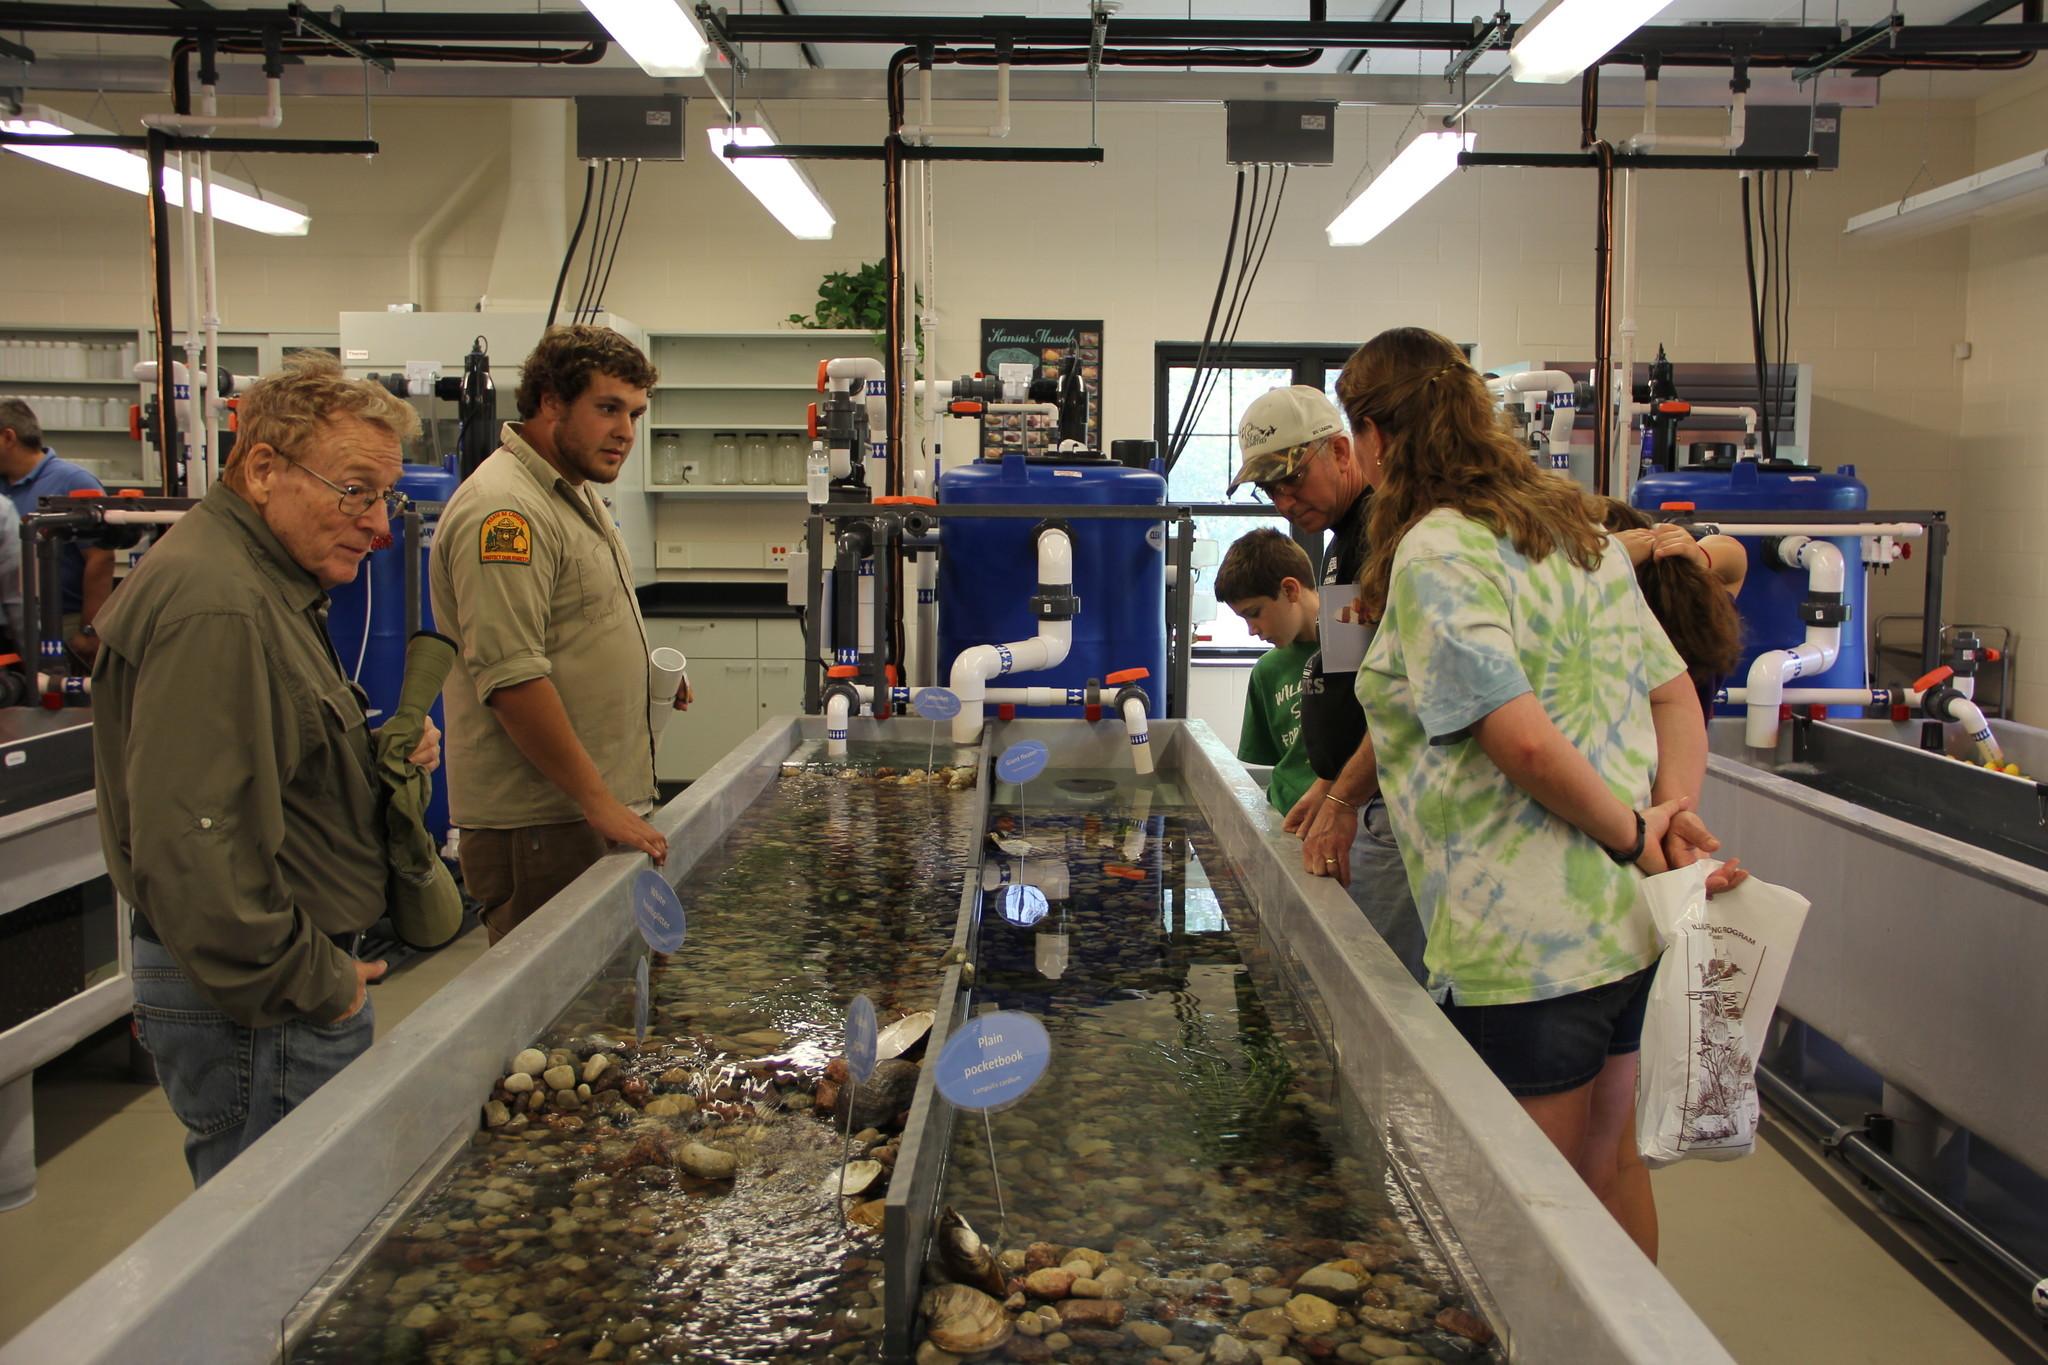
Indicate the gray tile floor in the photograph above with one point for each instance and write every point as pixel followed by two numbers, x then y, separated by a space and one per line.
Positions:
pixel 1774 1252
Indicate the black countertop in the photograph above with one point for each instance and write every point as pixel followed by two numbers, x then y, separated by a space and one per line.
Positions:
pixel 716 599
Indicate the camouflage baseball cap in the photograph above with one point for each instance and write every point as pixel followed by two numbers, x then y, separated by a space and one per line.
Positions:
pixel 1280 429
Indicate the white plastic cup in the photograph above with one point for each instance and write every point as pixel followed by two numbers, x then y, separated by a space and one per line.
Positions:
pixel 664 679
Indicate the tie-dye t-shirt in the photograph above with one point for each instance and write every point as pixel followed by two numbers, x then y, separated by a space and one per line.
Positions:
pixel 1518 903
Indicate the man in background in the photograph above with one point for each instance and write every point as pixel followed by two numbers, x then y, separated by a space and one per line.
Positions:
pixel 85 571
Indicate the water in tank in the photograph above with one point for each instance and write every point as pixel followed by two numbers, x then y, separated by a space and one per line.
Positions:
pixel 1770 598
pixel 988 569
pixel 366 619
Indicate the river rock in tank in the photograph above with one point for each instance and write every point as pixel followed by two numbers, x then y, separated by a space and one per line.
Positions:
pixel 707 1163
pixel 530 1062
pixel 881 1097
pixel 1091 1313
pixel 1231 1351
pixel 1311 1315
pixel 1327 1282
pixel 1049 1283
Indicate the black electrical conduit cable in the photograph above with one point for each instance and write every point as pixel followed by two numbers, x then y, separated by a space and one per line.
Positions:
pixel 1177 438
pixel 618 235
pixel 605 200
pixel 562 276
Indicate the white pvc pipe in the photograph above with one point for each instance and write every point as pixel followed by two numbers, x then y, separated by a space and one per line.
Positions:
pixel 926 128
pixel 1047 874
pixel 194 420
pixel 1623 414
pixel 1048 649
pixel 1773 670
pixel 1141 741
pixel 1141 809
pixel 209 277
pixel 1531 381
pixel 1051 410
pixel 1831 696
pixel 123 517
pixel 1650 139
pixel 1971 716
pixel 836 708
pixel 271 117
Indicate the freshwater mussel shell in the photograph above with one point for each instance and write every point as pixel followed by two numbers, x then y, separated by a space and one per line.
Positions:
pixel 966 1257
pixel 963 1321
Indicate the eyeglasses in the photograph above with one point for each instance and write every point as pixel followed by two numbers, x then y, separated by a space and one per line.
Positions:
pixel 1265 490
pixel 357 500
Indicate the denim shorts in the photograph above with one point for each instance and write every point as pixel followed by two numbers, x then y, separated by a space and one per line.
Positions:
pixel 1546 1047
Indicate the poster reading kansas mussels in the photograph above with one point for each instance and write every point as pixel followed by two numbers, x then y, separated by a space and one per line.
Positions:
pixel 1032 348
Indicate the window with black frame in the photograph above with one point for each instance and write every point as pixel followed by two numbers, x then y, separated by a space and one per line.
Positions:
pixel 1230 377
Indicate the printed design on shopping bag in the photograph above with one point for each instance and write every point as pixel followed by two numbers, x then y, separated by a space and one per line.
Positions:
pixel 1721 1075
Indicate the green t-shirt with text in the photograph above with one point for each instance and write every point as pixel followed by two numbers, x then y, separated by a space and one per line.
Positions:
pixel 1272 723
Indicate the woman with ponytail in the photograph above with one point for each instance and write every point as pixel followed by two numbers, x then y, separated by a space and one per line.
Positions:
pixel 1539 743
pixel 1690 586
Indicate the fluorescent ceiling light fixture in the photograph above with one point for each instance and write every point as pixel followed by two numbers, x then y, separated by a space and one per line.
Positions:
pixel 1950 205
pixel 1565 37
pixel 658 34
pixel 777 182
pixel 1421 167
pixel 233 201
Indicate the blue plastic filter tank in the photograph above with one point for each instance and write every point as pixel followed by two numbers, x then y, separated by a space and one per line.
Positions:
pixel 1770 597
pixel 366 619
pixel 988 570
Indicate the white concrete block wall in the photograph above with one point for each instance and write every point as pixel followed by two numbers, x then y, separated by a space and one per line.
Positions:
pixel 1501 257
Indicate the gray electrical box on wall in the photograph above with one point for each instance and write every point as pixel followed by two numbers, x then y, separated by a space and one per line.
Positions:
pixel 1780 130
pixel 629 127
pixel 1280 132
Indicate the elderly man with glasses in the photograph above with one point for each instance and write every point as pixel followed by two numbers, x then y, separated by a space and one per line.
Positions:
pixel 1297 453
pixel 240 812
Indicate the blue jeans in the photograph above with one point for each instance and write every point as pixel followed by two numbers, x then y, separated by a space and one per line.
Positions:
pixel 1379 886
pixel 229 1085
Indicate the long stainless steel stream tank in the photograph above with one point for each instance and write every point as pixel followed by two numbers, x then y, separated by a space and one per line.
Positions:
pixel 215 1279
pixel 1929 880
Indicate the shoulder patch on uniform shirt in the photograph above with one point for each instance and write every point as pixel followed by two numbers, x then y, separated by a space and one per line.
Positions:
pixel 506 539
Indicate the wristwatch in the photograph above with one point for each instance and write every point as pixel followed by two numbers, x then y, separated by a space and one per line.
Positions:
pixel 1633 855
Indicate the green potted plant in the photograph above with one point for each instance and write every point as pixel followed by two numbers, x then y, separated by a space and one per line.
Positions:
pixel 851 300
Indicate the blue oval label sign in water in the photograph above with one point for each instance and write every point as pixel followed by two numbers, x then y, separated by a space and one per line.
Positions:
pixel 657 911
pixel 993 1060
pixel 640 1000
pixel 936 703
pixel 860 1039
pixel 1022 761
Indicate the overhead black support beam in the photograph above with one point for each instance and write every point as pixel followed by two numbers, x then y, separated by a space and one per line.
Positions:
pixel 141 143
pixel 1986 12
pixel 821 151
pixel 1887 28
pixel 1638 161
pixel 16 52
pixel 306 21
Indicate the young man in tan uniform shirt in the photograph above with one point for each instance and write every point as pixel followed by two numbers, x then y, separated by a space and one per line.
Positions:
pixel 550 753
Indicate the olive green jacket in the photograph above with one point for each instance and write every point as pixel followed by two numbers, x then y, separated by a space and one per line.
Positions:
pixel 240 810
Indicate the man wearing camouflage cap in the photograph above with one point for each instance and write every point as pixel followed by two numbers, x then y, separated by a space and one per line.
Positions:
pixel 1297 452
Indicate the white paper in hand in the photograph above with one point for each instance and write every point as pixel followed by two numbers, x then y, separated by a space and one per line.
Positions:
pixel 1343 642
pixel 1710 1006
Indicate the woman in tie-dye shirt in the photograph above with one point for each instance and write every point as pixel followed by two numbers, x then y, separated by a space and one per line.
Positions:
pixel 1539 744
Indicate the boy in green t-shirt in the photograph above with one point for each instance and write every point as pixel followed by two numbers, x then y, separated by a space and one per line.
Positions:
pixel 1265 579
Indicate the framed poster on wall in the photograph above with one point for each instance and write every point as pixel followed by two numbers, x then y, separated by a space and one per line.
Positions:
pixel 1024 349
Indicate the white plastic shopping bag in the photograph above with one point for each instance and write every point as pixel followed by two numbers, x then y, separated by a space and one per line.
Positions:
pixel 1710 1005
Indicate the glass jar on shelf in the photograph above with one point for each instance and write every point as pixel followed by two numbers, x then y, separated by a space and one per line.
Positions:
pixel 754 459
pixel 725 458
pixel 668 459
pixel 791 450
